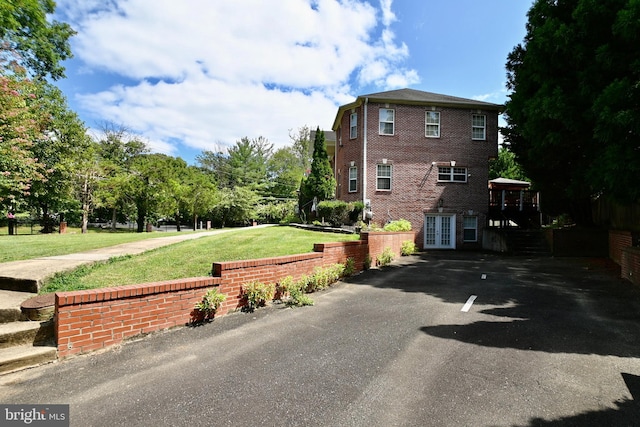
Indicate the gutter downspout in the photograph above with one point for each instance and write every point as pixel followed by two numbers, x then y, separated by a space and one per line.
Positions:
pixel 364 162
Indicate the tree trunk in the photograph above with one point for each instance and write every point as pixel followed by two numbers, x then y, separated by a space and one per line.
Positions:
pixel 195 222
pixel 85 204
pixel 113 219
pixel 178 221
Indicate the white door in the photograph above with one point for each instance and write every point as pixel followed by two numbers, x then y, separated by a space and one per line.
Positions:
pixel 439 231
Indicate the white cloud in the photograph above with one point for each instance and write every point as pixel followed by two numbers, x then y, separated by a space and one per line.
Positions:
pixel 210 72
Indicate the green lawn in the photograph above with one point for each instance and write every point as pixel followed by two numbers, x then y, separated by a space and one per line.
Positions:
pixel 20 247
pixel 193 258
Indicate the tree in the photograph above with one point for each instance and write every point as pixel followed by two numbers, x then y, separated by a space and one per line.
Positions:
pixel 33 41
pixel 284 171
pixel 320 184
pixel 118 147
pixel 506 166
pixel 573 120
pixel 244 164
pixel 19 128
pixel 62 141
pixel 235 206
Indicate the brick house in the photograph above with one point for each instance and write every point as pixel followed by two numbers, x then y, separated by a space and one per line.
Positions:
pixel 419 156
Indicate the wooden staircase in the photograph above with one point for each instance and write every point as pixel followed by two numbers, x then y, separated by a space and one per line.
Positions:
pixel 23 343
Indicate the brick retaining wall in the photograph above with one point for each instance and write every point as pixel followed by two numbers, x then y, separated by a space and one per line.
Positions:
pixel 618 240
pixel 625 254
pixel 98 318
pixel 630 265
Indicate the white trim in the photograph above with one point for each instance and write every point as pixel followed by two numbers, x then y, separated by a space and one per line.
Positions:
pixel 355 179
pixel 426 124
pixel 483 127
pixel 389 177
pixel 393 122
pixel 434 238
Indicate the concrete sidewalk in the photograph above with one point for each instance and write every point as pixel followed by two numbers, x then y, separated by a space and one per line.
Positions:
pixel 28 275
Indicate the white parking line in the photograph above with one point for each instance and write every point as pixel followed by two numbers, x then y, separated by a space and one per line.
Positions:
pixel 469 303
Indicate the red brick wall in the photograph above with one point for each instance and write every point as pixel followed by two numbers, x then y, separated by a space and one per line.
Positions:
pixel 415 187
pixel 618 240
pixel 630 265
pixel 98 318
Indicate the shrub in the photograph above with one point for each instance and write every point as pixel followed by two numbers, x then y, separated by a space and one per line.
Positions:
pixel 323 277
pixel 257 294
pixel 296 291
pixel 398 225
pixel 210 303
pixel 355 211
pixel 385 257
pixel 367 262
pixel 349 267
pixel 408 248
pixel 335 212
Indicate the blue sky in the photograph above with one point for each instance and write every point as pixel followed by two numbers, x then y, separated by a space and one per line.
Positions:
pixel 199 75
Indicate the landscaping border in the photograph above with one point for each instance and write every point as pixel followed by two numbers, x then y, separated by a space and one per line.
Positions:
pixel 94 319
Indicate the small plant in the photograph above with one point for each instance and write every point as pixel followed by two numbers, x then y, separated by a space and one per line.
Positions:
pixel 257 294
pixel 367 262
pixel 297 295
pixel 349 267
pixel 385 257
pixel 398 225
pixel 323 277
pixel 407 248
pixel 210 303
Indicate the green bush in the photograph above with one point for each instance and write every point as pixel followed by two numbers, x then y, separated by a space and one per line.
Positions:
pixel 349 267
pixel 367 262
pixel 296 291
pixel 210 303
pixel 398 225
pixel 355 211
pixel 257 294
pixel 408 248
pixel 385 258
pixel 335 212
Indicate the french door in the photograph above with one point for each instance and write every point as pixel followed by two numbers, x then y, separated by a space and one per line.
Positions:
pixel 439 231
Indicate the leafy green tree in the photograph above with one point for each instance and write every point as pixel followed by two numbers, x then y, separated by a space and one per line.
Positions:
pixel 198 195
pixel 31 39
pixel 117 148
pixel 506 166
pixel 285 170
pixel 320 184
pixel 151 188
pixel 19 128
pixel 62 142
pixel 573 120
pixel 235 206
pixel 243 165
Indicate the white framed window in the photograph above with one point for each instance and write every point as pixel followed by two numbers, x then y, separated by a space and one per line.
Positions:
pixel 470 228
pixel 452 174
pixel 353 179
pixel 387 121
pixel 383 177
pixel 479 127
pixel 432 124
pixel 353 126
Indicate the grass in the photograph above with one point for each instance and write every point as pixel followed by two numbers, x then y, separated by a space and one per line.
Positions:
pixel 192 258
pixel 21 247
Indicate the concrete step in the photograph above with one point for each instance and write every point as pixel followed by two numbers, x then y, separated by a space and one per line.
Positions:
pixel 20 333
pixel 25 356
pixel 10 302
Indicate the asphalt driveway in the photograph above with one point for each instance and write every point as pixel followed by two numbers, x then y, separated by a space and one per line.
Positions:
pixel 545 342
